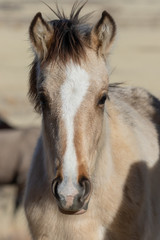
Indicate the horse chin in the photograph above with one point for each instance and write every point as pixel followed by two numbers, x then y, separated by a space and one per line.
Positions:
pixel 78 212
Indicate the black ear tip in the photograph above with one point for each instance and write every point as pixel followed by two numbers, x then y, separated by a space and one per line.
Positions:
pixel 104 13
pixel 38 15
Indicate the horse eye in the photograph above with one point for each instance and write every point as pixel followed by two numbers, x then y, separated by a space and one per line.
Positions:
pixel 102 100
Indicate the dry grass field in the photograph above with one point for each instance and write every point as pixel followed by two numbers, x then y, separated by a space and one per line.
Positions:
pixel 135 60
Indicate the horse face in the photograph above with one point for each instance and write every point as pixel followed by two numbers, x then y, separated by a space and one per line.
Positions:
pixel 73 108
pixel 71 94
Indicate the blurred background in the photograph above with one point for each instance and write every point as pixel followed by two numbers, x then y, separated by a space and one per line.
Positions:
pixel 135 60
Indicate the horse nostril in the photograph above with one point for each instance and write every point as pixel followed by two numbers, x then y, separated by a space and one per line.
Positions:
pixel 86 188
pixel 71 196
pixel 55 184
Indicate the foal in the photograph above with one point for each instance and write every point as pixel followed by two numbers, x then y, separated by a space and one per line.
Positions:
pixel 95 169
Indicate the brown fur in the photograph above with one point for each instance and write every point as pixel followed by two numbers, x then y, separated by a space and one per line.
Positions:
pixel 117 147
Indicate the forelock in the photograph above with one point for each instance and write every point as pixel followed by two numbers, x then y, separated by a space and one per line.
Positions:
pixel 71 36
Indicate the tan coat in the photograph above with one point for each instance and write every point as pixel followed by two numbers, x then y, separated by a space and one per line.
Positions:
pixel 125 202
pixel 110 134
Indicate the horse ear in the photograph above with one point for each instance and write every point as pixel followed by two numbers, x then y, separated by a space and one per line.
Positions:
pixel 41 34
pixel 103 34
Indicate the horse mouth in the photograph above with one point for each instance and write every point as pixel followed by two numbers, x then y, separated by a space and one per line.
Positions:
pixel 67 212
pixel 71 212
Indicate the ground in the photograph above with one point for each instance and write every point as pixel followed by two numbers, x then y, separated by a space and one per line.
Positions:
pixel 134 60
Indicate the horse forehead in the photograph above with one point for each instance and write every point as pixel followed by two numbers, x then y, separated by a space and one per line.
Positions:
pixel 74 88
pixel 69 83
pixel 76 76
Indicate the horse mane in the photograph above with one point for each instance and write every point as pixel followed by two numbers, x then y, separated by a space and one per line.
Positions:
pixel 71 37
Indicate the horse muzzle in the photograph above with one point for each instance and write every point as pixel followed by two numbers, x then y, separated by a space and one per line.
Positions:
pixel 71 197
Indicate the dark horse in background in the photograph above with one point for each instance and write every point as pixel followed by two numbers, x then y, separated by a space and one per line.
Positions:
pixel 4 124
pixel 16 150
pixel 95 173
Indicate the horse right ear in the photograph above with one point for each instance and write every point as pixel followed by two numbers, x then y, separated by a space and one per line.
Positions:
pixel 41 34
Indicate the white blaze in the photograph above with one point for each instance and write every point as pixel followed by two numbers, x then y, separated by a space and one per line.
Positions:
pixel 72 93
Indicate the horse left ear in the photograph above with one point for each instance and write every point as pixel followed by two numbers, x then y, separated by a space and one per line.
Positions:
pixel 103 34
pixel 41 34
